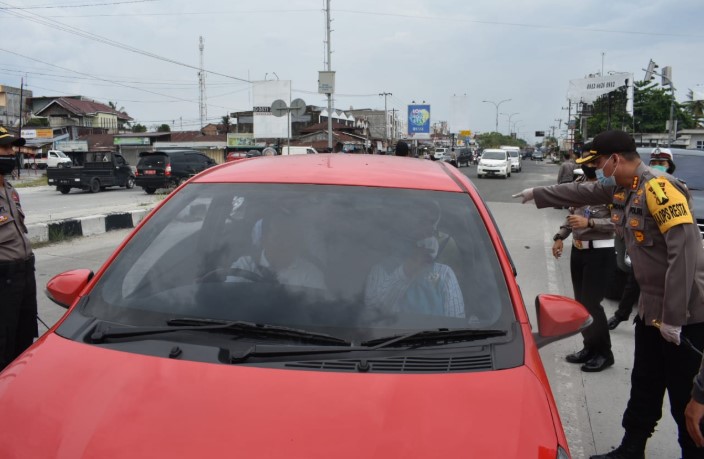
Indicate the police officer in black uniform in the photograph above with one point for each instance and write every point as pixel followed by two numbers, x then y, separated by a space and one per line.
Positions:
pixel 18 288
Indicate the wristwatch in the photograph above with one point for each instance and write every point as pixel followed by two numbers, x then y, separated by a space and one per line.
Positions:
pixel 557 236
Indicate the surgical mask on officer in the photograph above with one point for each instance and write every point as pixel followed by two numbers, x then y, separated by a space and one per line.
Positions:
pixel 7 164
pixel 659 167
pixel 589 171
pixel 604 180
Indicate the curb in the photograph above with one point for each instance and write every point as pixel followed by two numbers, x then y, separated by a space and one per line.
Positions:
pixel 84 226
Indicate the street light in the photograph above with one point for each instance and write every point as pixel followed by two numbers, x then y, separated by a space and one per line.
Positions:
pixel 509 120
pixel 515 123
pixel 496 129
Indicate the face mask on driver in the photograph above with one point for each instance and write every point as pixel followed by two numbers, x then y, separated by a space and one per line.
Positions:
pixel 660 167
pixel 431 244
pixel 7 164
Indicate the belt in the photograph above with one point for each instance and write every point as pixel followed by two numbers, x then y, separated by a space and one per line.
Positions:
pixel 9 267
pixel 597 244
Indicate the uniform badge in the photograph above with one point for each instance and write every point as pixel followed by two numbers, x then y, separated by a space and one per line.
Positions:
pixel 4 218
pixel 620 196
pixel 15 197
pixel 635 182
pixel 637 201
pixel 639 236
pixel 639 192
pixel 634 222
pixel 577 243
pixel 616 218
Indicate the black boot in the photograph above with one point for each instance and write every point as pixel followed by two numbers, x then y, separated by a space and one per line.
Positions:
pixel 614 321
pixel 630 448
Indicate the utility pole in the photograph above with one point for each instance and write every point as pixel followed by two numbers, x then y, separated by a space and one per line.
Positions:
pixel 328 21
pixel 386 119
pixel 18 153
pixel 393 125
pixel 201 85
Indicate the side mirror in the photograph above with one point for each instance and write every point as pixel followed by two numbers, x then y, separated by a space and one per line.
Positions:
pixel 63 289
pixel 559 317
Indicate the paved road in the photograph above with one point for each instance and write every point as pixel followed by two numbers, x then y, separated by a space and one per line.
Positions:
pixel 590 404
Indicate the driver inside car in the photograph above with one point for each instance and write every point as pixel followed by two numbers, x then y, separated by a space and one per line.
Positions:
pixel 280 258
pixel 412 280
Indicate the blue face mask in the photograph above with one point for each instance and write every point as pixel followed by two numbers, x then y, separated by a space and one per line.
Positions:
pixel 606 181
pixel 660 168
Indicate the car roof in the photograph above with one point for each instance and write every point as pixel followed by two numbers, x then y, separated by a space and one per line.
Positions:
pixel 675 151
pixel 495 149
pixel 336 169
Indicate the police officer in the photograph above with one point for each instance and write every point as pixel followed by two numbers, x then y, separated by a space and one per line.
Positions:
pixel 591 267
pixel 653 211
pixel 18 289
pixel 662 160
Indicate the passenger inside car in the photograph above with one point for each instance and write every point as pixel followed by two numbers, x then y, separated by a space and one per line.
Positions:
pixel 411 280
pixel 281 257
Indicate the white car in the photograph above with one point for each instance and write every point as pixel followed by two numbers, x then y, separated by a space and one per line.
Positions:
pixel 514 155
pixel 494 162
pixel 51 158
pixel 440 153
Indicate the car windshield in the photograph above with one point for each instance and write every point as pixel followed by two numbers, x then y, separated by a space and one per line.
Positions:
pixel 513 154
pixel 61 154
pixel 690 169
pixel 354 262
pixel 494 155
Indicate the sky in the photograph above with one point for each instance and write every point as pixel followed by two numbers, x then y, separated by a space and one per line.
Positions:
pixel 144 54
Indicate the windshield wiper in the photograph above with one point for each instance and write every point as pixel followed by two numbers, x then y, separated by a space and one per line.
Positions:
pixel 435 336
pixel 104 331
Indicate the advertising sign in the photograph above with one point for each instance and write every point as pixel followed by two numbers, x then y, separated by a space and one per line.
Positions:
pixel 326 82
pixel 587 90
pixel 38 133
pixel 72 145
pixel 264 93
pixel 131 141
pixel 459 113
pixel 240 140
pixel 540 133
pixel 419 120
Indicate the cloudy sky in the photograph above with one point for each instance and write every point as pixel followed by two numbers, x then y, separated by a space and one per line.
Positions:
pixel 144 54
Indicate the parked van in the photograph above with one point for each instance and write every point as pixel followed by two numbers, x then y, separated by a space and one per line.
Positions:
pixel 514 154
pixel 51 158
pixel 298 150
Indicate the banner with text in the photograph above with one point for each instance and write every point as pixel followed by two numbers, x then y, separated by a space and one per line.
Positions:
pixel 588 90
pixel 419 121
pixel 264 93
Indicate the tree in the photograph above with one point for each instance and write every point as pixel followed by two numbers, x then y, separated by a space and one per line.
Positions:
pixel 163 128
pixel 609 112
pixel 495 139
pixel 37 122
pixel 139 128
pixel 113 105
pixel 226 123
pixel 695 108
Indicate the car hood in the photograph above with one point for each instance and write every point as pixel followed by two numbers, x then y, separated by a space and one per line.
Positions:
pixel 494 162
pixel 69 400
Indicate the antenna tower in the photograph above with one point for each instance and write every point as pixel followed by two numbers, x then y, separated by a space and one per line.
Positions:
pixel 201 86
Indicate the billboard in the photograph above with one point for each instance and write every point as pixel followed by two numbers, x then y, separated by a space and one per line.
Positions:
pixel 587 90
pixel 72 145
pixel 459 114
pixel 46 133
pixel 419 121
pixel 264 93
pixel 240 140
pixel 131 141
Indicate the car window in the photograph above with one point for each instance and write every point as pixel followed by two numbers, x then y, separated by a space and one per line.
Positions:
pixel 179 263
pixel 494 155
pixel 513 154
pixel 153 161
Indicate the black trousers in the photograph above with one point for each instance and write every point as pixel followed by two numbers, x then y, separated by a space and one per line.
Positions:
pixel 18 309
pixel 591 270
pixel 631 292
pixel 659 366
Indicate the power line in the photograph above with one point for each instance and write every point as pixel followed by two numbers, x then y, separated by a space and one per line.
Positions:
pixel 38 7
pixel 188 13
pixel 33 17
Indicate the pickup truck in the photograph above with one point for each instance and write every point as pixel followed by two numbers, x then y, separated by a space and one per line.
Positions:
pixel 99 171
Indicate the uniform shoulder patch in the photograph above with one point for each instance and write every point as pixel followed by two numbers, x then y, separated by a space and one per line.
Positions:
pixel 667 204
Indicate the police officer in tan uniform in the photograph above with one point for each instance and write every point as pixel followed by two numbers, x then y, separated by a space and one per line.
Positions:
pixel 653 211
pixel 18 289
pixel 592 264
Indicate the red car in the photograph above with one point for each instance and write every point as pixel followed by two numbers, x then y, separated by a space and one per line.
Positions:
pixel 308 306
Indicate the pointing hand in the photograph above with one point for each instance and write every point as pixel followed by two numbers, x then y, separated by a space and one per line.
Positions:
pixel 525 195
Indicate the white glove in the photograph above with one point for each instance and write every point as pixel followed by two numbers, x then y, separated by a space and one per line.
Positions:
pixel 525 195
pixel 670 333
